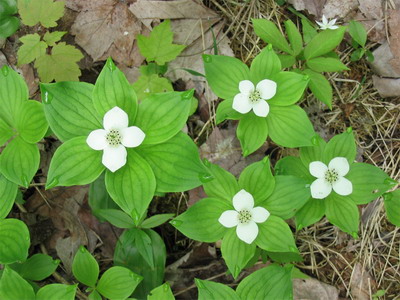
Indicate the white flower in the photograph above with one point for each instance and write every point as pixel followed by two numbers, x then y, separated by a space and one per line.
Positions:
pixel 327 25
pixel 251 98
pixel 330 177
pixel 244 217
pixel 113 139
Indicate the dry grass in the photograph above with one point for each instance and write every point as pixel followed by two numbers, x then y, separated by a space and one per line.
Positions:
pixel 330 255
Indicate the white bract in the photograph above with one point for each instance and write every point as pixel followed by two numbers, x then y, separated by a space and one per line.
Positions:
pixel 254 98
pixel 244 217
pixel 330 177
pixel 113 139
pixel 325 24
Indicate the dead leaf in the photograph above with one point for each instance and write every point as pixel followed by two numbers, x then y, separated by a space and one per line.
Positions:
pixel 371 9
pixel 382 63
pixel 106 28
pixel 361 283
pixel 312 289
pixel 387 87
pixel 329 8
pixel 394 39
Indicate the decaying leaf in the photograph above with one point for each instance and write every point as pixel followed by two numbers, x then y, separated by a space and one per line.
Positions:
pixel 387 87
pixel 361 284
pixel 329 8
pixel 312 289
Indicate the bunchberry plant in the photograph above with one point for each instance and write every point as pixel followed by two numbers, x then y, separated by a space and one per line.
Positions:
pixel 9 23
pixel 54 60
pixel 338 184
pixel 141 148
pixel 310 53
pixel 246 214
pixel 262 98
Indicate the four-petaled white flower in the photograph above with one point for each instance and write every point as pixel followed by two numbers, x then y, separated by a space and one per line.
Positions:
pixel 330 177
pixel 113 139
pixel 244 217
pixel 251 98
pixel 325 24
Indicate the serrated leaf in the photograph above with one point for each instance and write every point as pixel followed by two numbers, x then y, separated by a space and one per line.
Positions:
pixel 13 286
pixel 8 192
pixel 209 290
pixel 150 84
pixel 60 65
pixel 158 45
pixel 32 48
pixel 19 161
pixel 56 291
pixel 118 283
pixel 51 38
pixel 74 163
pixel 85 267
pixel 14 241
pixel 45 12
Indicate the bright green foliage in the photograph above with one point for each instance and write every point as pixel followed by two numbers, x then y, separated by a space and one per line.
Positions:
pixel 85 267
pixel 116 217
pixel 45 12
pixel 209 290
pixel 147 85
pixel 60 65
pixel 8 192
pixel 320 87
pixel 156 220
pixel 358 33
pixel 158 46
pixel 32 47
pixel 8 22
pixel 56 292
pixel 13 286
pixel 326 64
pixel 163 292
pixel 269 33
pixel 14 241
pixel 51 38
pixel 37 267
pixel 392 206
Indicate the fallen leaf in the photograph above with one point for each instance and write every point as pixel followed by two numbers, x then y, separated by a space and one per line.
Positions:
pixel 329 8
pixel 361 283
pixel 312 289
pixel 382 63
pixel 387 87
pixel 394 39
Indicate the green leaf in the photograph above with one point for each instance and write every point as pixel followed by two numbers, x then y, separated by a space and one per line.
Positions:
pixel 294 36
pixel 357 54
pixel 264 65
pixel 32 124
pixel 358 32
pixel 14 241
pixel 51 38
pixel 126 254
pixel 150 84
pixel 224 73
pixel 45 12
pixel 6 132
pixel 392 207
pixel 343 213
pixel 369 182
pixel 37 267
pixel 320 87
pixel 287 61
pixel 313 153
pixel 275 235
pixel 176 163
pixel 309 31
pixel 69 109
pixel 162 116
pixel 290 165
pixel 289 126
pixel 153 68
pixel 163 292
pixel 310 213
pixel 95 296
pixel 235 252
pixel 60 65
pixel 209 290
pixel 116 217
pixel 19 161
pixel 143 244
pixel 156 220
pixel 113 89
pixel 74 163
pixel 158 45
pixel 289 195
pixel 200 221
pixel 13 96
pixel 99 199
pixel 223 185
pixel 341 145
pixel 118 283
pixel 225 111
pixel 8 192
pixel 326 64
pixel 85 267
pixel 290 88
pixel 32 48
pixel 271 282
pixel 252 133
pixel 8 23
pixel 269 33
pixel 56 291
pixel 257 179
pixel 13 286
pixel 132 187
pixel 324 42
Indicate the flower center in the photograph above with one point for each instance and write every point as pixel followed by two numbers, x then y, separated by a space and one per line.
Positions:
pixel 114 137
pixel 331 175
pixel 244 216
pixel 255 96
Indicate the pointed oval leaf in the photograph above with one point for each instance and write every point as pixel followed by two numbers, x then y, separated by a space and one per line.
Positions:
pixel 252 133
pixel 56 291
pixel 269 33
pixel 38 267
pixel 320 87
pixel 310 213
pixel 163 292
pixel 14 241
pixel 392 207
pixel 265 65
pixel 13 286
pixel 209 290
pixel 341 145
pixel 294 36
pixel 85 267
pixel 324 42
pixel 290 88
pixel 8 192
pixel 342 212
pixel 32 124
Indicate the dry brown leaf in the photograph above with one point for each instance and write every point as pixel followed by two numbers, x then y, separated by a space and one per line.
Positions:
pixel 329 8
pixel 394 39
pixel 382 63
pixel 107 28
pixel 361 283
pixel 312 289
pixel 387 87
pixel 371 9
